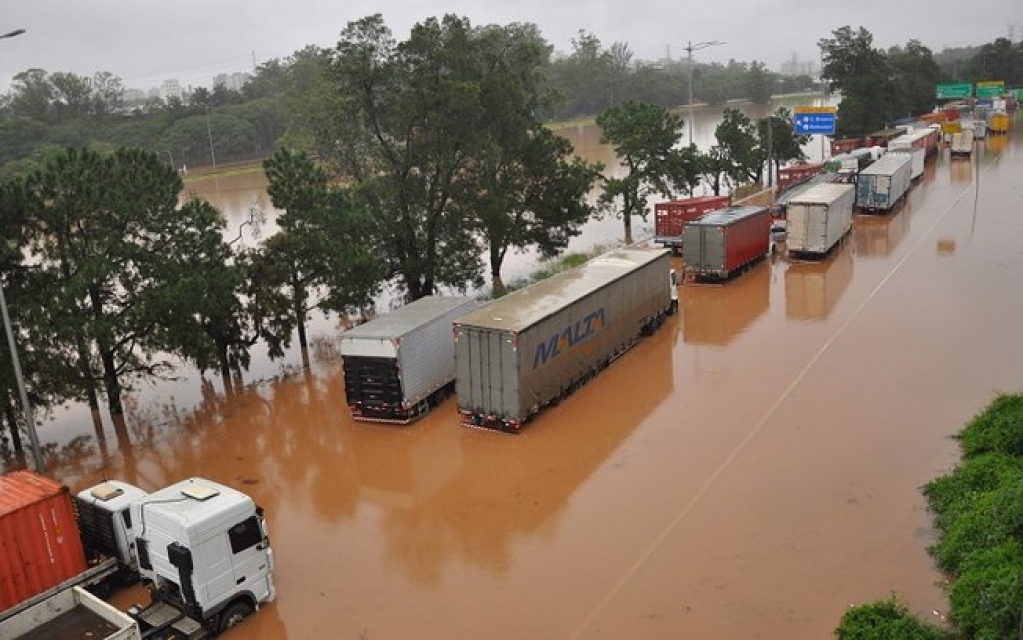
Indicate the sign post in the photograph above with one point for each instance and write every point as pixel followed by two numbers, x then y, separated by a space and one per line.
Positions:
pixel 956 91
pixel 991 89
pixel 814 120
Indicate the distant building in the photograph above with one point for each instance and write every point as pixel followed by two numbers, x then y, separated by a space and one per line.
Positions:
pixel 171 88
pixel 231 81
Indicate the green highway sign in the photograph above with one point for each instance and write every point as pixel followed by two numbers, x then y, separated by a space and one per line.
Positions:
pixel 953 91
pixel 991 89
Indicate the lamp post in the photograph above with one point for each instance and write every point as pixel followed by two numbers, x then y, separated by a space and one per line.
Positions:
pixel 37 454
pixel 690 48
pixel 209 133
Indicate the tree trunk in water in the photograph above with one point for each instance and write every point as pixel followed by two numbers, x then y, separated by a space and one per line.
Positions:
pixel 111 383
pixel 87 378
pixel 628 228
pixel 303 344
pixel 498 286
pixel 12 425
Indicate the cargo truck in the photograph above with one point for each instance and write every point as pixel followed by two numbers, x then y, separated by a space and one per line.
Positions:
pixel 818 218
pixel 998 122
pixel 70 614
pixel 400 363
pixel 200 547
pixel 884 184
pixel 917 160
pixel 535 346
pixel 962 143
pixel 723 243
pixel 670 218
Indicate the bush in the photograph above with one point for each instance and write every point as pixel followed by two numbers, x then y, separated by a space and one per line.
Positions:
pixel 997 429
pixel 886 620
pixel 987 596
pixel 950 495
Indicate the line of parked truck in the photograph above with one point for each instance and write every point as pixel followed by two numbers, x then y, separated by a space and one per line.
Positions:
pixel 201 548
pixel 507 359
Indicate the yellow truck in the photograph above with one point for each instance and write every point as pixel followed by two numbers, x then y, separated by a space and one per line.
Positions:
pixel 999 122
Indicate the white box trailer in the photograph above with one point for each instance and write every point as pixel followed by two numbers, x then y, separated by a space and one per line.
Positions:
pixel 883 184
pixel 818 218
pixel 399 363
pixel 70 614
pixel 534 346
pixel 917 156
pixel 962 143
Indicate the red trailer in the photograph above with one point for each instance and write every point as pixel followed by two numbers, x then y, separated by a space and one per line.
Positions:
pixel 670 218
pixel 845 145
pixel 724 242
pixel 796 173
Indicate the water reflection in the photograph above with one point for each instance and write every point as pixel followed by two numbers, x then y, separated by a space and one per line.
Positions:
pixel 717 314
pixel 961 170
pixel 878 236
pixel 485 490
pixel 812 289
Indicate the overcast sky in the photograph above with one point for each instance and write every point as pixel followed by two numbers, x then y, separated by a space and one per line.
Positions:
pixel 145 42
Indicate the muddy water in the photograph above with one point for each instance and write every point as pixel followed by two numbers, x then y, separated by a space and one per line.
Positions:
pixel 749 471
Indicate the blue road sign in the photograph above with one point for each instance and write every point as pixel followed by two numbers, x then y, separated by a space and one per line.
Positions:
pixel 811 123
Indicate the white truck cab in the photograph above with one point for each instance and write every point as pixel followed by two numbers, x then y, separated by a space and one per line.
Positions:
pixel 204 551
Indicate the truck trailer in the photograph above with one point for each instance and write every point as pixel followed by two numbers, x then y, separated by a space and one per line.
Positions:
pixel 670 218
pixel 535 346
pixel 70 614
pixel 962 143
pixel 399 363
pixel 917 159
pixel 885 183
pixel 818 218
pixel 722 243
pixel 110 533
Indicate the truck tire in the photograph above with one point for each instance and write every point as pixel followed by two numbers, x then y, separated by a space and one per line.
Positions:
pixel 234 614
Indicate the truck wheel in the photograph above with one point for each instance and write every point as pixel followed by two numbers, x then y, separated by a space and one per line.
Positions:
pixel 234 615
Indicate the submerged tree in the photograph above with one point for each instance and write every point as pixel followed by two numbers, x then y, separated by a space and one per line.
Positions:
pixel 645 138
pixel 105 230
pixel 323 257
pixel 863 75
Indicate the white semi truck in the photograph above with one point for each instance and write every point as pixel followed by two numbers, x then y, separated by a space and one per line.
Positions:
pixel 200 547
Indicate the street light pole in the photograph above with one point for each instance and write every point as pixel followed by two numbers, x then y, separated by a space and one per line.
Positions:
pixel 690 48
pixel 209 133
pixel 37 454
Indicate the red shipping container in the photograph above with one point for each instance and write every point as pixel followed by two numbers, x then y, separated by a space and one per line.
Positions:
pixel 797 173
pixel 40 546
pixel 670 218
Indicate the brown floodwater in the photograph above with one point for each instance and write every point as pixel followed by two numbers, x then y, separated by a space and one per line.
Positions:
pixel 749 471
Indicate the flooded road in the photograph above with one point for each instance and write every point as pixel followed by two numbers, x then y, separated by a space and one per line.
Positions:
pixel 749 471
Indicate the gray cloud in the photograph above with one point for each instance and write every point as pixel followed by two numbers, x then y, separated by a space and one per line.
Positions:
pixel 192 40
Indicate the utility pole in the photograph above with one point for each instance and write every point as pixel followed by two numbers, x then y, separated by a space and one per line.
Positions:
pixel 30 425
pixel 689 49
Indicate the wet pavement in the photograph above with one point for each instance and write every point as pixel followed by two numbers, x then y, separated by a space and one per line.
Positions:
pixel 749 471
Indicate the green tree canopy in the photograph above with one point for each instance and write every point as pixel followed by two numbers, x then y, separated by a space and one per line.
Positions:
pixel 645 138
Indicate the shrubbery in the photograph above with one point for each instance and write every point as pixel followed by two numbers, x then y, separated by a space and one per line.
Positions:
pixel 978 513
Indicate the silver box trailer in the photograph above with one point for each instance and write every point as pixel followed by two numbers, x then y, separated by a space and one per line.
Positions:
pixel 397 363
pixel 536 345
pixel 962 143
pixel 70 614
pixel 883 184
pixel 818 218
pixel 917 157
